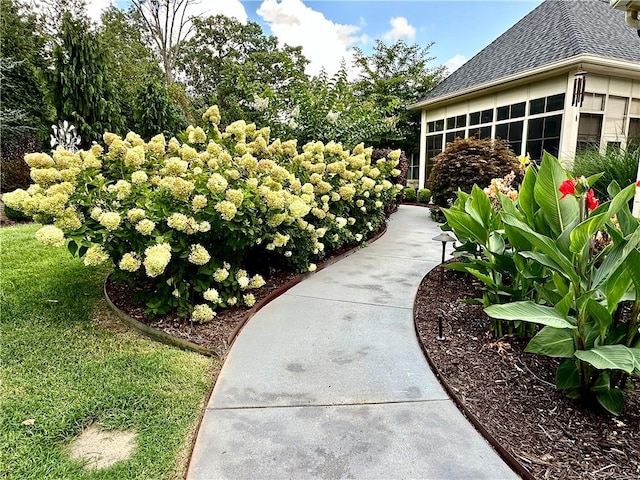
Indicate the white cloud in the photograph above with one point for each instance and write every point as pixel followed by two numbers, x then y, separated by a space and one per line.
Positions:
pixel 228 8
pixel 324 43
pixel 400 28
pixel 455 62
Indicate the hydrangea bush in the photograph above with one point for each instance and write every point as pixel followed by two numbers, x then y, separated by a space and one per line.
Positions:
pixel 200 220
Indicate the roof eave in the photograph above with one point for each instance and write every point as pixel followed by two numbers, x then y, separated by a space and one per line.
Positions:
pixel 550 69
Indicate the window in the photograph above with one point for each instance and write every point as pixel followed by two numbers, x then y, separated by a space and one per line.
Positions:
pixel 555 102
pixel 486 116
pixel 435 126
pixel 482 132
pixel 634 133
pixel 451 136
pixel 512 133
pixel 544 134
pixel 634 109
pixel 456 122
pixel 413 172
pixel 548 104
pixel 593 101
pixel 474 118
pixel 589 131
pixel 616 111
pixel 434 147
pixel 510 111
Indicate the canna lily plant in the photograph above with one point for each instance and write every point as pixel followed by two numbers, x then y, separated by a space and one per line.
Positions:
pixel 579 302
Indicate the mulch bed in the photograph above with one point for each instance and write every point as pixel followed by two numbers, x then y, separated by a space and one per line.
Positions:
pixel 512 393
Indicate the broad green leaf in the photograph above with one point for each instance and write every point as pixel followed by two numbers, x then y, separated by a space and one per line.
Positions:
pixel 496 243
pixel 603 383
pixel 594 178
pixel 632 266
pixel 553 342
pixel 558 213
pixel 516 239
pixel 465 227
pixel 486 279
pixel 509 206
pixel 582 233
pixel 543 259
pixel 617 285
pixel 601 315
pixel 567 375
pixel 564 305
pixel 547 246
pixel 528 311
pixel 615 258
pixel 526 200
pixel 636 360
pixel 482 205
pixel 612 400
pixel 608 357
pixel 621 199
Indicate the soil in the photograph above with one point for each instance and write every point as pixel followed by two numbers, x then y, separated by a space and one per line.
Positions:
pixel 512 393
pixel 102 448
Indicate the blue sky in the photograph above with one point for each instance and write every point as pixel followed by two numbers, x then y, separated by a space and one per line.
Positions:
pixel 327 30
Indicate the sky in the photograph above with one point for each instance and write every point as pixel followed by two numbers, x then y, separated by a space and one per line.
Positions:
pixel 328 30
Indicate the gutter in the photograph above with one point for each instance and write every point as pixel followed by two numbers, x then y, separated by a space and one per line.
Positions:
pixel 549 68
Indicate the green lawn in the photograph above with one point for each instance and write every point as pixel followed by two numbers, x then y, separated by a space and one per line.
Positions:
pixel 66 362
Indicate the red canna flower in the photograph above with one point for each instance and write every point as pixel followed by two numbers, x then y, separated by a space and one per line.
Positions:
pixel 592 202
pixel 568 187
pixel 638 183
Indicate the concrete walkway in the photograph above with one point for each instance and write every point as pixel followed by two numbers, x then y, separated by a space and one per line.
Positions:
pixel 328 381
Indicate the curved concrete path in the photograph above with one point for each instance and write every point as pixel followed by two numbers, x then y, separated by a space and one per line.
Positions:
pixel 328 380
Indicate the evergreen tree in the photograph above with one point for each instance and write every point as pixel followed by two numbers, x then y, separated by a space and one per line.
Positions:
pixel 82 91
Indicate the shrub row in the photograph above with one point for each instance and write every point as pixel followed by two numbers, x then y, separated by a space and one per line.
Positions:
pixel 200 220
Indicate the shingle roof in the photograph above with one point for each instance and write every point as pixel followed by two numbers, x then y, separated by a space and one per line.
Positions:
pixel 554 31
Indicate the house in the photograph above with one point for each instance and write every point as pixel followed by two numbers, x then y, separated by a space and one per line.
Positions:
pixel 564 78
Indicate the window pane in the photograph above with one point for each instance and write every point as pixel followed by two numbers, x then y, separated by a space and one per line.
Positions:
pixel 534 148
pixel 551 145
pixel 486 116
pixel 502 131
pixel 536 106
pixel 635 107
pixel 485 132
pixel 555 102
pixel 593 101
pixel 503 113
pixel 474 118
pixel 535 128
pixel 634 128
pixel 552 126
pixel 515 131
pixel 451 136
pixel 590 126
pixel 451 122
pixel 517 110
pixel 516 147
pixel 439 125
pixel 461 121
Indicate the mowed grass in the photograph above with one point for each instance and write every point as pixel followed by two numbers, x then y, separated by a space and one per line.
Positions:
pixel 66 363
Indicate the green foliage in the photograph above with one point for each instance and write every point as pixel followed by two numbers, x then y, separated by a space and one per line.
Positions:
pixel 191 219
pixel 392 77
pixel 243 71
pixel 410 194
pixel 82 90
pixel 21 67
pixel 14 172
pixel 468 162
pixel 616 165
pixel 579 292
pixel 131 64
pixel 155 111
pixel 424 195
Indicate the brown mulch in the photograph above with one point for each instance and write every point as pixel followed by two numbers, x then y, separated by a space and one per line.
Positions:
pixel 513 395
